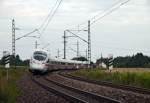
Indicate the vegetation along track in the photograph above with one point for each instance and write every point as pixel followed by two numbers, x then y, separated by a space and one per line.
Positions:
pixel 109 84
pixel 71 94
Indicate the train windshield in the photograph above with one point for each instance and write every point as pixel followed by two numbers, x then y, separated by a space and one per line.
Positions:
pixel 41 56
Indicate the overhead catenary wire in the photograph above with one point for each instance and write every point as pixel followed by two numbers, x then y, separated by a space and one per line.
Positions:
pixel 114 8
pixel 46 19
pixel 56 6
pixel 54 10
pixel 26 35
pixel 101 13
pixel 72 49
pixel 96 18
pixel 106 12
pixel 106 9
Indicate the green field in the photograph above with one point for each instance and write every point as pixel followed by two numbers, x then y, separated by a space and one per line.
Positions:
pixel 137 78
pixel 9 91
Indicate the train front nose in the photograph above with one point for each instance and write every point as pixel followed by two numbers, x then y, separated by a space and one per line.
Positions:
pixel 38 67
pixel 38 61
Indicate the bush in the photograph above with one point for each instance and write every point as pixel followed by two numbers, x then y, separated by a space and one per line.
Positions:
pixel 9 90
pixel 138 78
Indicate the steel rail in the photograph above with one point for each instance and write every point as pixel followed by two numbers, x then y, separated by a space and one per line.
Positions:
pixel 109 84
pixel 64 95
pixel 93 96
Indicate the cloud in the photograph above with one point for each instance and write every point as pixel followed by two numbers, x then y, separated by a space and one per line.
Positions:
pixel 131 13
pixel 22 8
pixel 124 24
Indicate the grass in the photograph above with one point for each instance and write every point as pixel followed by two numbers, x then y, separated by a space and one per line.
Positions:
pixel 134 78
pixel 9 91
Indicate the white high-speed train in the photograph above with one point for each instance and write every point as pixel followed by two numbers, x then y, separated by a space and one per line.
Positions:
pixel 42 62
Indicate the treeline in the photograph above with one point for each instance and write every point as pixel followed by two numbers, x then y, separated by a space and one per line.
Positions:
pixel 139 60
pixel 80 58
pixel 15 61
pixel 136 61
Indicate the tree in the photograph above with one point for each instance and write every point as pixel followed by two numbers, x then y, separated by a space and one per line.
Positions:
pixel 2 62
pixel 138 60
pixel 12 60
pixel 80 58
pixel 18 61
pixel 26 62
pixel 15 61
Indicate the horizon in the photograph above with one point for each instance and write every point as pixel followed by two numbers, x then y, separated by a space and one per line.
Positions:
pixel 123 32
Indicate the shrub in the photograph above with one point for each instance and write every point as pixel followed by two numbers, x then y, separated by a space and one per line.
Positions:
pixel 136 78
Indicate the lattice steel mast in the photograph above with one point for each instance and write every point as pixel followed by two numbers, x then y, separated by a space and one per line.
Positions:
pixel 13 38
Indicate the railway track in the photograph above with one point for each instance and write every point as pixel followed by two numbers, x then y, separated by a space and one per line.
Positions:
pixel 50 88
pixel 73 95
pixel 109 84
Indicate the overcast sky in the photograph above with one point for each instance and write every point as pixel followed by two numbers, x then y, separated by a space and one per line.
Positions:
pixel 125 31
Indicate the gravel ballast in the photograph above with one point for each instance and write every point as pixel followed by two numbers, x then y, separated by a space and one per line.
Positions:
pixel 32 93
pixel 118 94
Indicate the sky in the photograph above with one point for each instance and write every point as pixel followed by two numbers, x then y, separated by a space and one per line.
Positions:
pixel 123 32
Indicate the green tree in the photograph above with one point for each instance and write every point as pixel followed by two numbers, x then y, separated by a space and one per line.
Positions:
pixel 80 58
pixel 138 60
pixel 15 61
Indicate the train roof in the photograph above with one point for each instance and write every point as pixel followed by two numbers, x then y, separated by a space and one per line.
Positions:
pixel 61 60
pixel 67 61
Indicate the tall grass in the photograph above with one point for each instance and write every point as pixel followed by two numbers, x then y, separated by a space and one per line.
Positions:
pixel 9 91
pixel 138 78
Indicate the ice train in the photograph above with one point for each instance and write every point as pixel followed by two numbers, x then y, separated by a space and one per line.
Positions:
pixel 42 62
